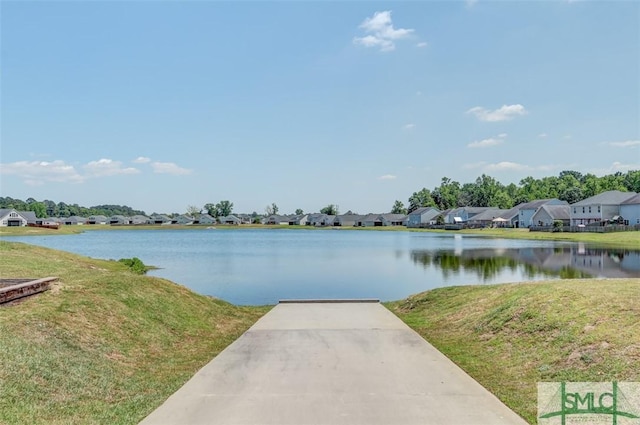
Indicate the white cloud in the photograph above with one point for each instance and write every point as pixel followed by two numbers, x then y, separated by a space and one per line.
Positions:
pixel 471 3
pixel 505 113
pixel 107 167
pixel 507 166
pixel 409 126
pixel 422 44
pixel 515 166
pixel 625 144
pixel 485 143
pixel 387 177
pixel 142 160
pixel 37 172
pixel 542 135
pixel 169 168
pixel 618 166
pixel 380 32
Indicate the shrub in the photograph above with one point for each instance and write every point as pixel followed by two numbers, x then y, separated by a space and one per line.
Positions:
pixel 557 225
pixel 135 264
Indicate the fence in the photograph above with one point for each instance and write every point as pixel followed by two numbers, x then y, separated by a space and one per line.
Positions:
pixel 588 229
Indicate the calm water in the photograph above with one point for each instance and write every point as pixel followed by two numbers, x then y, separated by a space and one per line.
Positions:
pixel 261 266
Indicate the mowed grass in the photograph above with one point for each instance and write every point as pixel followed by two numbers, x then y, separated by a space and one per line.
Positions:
pixel 104 345
pixel 509 337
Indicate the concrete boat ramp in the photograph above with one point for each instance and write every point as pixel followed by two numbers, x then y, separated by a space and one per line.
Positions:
pixel 332 363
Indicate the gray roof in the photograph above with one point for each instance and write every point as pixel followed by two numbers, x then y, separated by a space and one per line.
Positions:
pixel 30 216
pixel 558 212
pixel 422 210
pixel 534 205
pixel 394 217
pixel 511 213
pixel 612 197
pixel 488 215
pixel 634 200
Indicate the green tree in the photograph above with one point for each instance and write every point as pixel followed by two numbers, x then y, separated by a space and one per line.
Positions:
pixel 590 185
pixel 224 208
pixel 446 195
pixel 211 209
pixel 330 209
pixel 398 208
pixel 271 209
pixel 39 208
pixel 502 200
pixel 299 211
pixel 632 181
pixel 420 199
pixel 193 211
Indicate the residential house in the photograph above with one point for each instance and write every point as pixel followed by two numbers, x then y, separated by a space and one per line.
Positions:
pixel 320 220
pixel 486 217
pixel 462 214
pixel 74 220
pixel 596 209
pixel 546 215
pixel 118 220
pixel 422 217
pixel 182 219
pixel 630 210
pixel 97 219
pixel 393 219
pixel 277 219
pixel 230 219
pixel 377 220
pixel 205 219
pixel 509 218
pixel 139 219
pixel 160 219
pixel 298 220
pixel 9 217
pixel 346 220
pixel 245 218
pixel 528 209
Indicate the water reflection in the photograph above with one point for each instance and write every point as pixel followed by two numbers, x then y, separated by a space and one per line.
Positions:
pixel 566 262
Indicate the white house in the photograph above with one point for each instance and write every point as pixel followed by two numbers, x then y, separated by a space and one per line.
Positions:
pixel 74 220
pixel 97 219
pixel 346 220
pixel 140 219
pixel 598 208
pixel 10 217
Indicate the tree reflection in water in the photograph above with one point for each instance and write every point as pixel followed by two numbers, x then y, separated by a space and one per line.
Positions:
pixel 566 262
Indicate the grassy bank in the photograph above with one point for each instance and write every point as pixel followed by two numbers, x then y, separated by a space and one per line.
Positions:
pixel 509 337
pixel 105 345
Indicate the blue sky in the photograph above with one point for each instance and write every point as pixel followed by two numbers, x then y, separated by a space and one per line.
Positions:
pixel 161 105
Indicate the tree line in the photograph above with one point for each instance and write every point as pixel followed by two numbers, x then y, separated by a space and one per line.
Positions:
pixel 49 208
pixel 486 191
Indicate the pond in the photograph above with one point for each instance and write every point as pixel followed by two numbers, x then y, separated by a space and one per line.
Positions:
pixel 262 266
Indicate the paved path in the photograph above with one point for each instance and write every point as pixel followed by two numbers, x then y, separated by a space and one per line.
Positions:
pixel 332 364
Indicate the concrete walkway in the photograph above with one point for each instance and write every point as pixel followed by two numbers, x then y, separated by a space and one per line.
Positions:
pixel 331 364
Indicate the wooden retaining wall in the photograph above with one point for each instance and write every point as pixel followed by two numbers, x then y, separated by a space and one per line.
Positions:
pixel 24 289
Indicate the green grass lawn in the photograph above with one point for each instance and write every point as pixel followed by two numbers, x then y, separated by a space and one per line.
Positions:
pixel 105 345
pixel 509 337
